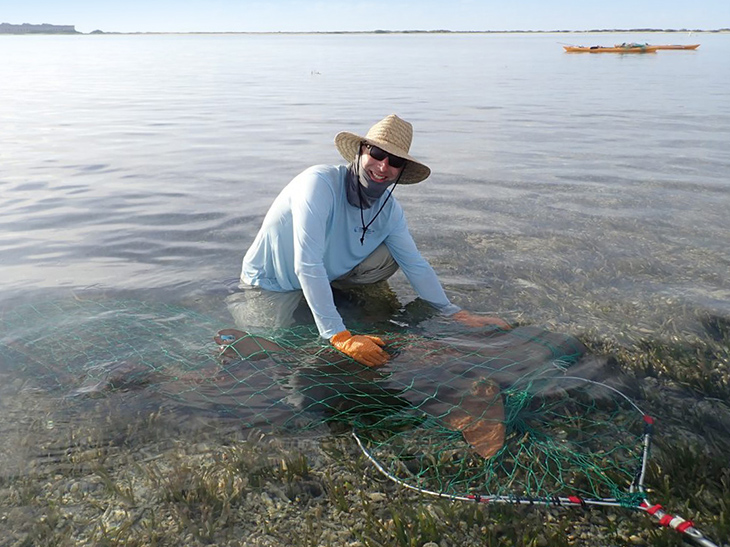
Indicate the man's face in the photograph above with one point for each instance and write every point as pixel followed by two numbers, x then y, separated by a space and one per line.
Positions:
pixel 379 171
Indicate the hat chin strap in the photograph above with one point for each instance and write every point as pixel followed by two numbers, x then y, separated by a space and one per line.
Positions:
pixel 363 201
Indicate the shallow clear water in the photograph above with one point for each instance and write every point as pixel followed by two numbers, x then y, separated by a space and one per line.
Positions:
pixel 585 193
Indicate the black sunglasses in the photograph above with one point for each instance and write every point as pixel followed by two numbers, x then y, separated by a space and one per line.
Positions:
pixel 380 155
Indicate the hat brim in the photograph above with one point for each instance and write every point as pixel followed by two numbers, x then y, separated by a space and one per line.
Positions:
pixel 347 145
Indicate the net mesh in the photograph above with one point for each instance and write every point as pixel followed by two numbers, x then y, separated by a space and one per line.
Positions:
pixel 487 413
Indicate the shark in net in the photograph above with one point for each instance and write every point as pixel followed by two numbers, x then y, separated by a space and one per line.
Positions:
pixel 289 382
pixel 456 380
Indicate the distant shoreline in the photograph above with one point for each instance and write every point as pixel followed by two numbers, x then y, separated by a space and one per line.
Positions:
pixel 27 29
pixel 606 31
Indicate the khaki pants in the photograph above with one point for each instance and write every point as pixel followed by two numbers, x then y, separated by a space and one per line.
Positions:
pixel 255 309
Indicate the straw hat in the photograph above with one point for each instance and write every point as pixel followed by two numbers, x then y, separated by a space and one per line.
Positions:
pixel 393 135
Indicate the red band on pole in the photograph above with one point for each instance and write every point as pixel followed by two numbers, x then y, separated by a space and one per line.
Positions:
pixel 665 520
pixel 686 524
pixel 575 499
pixel 653 509
pixel 648 419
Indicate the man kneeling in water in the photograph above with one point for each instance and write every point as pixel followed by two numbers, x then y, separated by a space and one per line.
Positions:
pixel 339 226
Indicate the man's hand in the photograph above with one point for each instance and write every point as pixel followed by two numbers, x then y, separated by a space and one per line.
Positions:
pixel 472 320
pixel 363 348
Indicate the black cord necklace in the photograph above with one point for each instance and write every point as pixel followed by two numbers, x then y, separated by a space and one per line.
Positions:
pixel 359 195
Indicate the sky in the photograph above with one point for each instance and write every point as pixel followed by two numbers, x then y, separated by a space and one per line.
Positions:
pixel 362 15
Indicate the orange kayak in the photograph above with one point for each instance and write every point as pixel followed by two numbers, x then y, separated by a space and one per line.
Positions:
pixel 691 46
pixel 605 49
pixel 672 46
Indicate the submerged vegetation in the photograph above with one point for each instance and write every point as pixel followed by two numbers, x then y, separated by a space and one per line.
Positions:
pixel 160 479
pixel 161 484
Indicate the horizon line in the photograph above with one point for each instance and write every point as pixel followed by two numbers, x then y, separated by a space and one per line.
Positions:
pixel 405 31
pixel 372 31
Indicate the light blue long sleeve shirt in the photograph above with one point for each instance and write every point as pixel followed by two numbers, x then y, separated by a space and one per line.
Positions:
pixel 311 236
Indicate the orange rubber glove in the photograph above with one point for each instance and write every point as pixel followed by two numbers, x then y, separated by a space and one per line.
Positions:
pixel 363 348
pixel 472 320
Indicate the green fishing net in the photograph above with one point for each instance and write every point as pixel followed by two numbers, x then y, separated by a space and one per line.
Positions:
pixel 461 412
